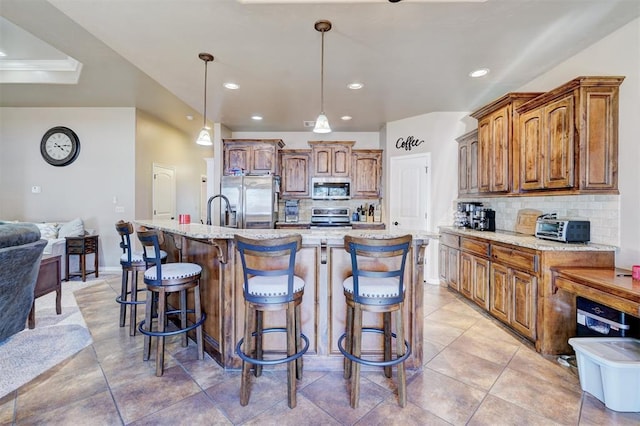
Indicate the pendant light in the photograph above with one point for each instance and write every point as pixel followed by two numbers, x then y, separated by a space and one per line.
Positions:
pixel 204 137
pixel 322 123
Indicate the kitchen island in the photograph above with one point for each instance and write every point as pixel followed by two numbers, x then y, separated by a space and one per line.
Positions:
pixel 323 264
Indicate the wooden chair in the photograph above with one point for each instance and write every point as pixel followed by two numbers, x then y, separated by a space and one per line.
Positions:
pixel 131 262
pixel 162 279
pixel 379 288
pixel 270 285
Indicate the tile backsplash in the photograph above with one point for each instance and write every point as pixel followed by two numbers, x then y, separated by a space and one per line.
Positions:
pixel 601 210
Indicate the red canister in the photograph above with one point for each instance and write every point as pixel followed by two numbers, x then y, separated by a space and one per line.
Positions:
pixel 635 272
pixel 184 219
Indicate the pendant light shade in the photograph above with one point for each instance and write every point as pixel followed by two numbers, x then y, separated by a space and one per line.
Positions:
pixel 204 137
pixel 322 123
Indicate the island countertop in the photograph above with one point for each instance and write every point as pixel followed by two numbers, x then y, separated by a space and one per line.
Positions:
pixel 210 232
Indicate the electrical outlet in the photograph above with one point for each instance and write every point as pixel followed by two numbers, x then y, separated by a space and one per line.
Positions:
pixel 119 209
pixel 35 189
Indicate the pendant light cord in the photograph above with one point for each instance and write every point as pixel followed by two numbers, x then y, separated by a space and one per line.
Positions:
pixel 204 117
pixel 322 75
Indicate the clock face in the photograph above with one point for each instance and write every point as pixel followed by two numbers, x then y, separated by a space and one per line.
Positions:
pixel 60 146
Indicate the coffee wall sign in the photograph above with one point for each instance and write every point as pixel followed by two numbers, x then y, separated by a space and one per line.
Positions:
pixel 409 143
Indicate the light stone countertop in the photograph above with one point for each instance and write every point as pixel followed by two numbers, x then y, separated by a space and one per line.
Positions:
pixel 528 241
pixel 309 236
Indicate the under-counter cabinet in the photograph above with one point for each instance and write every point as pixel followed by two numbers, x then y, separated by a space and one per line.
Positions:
pixel 294 169
pixel 513 281
pixel 569 137
pixel 497 127
pixel 366 173
pixel 331 159
pixel 253 156
pixel 468 163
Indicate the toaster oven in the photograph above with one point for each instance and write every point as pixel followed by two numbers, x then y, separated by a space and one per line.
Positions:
pixel 563 230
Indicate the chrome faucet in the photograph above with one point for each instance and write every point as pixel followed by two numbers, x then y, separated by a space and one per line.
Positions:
pixel 228 208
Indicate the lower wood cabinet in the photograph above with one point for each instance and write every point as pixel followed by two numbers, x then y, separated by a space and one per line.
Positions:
pixel 513 283
pixel 513 299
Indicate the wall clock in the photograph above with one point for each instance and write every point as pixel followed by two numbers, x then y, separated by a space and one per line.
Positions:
pixel 60 146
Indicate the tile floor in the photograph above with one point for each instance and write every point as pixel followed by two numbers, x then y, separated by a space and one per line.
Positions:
pixel 475 373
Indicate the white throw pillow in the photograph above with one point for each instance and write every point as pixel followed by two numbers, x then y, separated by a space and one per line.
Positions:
pixel 74 228
pixel 48 230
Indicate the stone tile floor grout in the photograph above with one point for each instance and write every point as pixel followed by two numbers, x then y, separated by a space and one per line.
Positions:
pixel 475 372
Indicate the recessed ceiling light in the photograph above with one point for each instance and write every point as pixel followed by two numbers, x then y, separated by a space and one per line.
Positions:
pixel 346 117
pixel 479 72
pixel 2 53
pixel 355 86
pixel 232 86
pixel 256 117
pixel 190 117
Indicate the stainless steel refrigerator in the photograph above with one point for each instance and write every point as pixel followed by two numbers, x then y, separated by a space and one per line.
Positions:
pixel 253 200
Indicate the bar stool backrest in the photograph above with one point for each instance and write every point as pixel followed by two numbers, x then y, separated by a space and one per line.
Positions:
pixel 375 248
pixel 125 229
pixel 151 241
pixel 268 258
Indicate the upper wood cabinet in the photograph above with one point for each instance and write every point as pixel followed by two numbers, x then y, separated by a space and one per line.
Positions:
pixel 366 175
pixel 294 169
pixel 254 156
pixel 331 158
pixel 569 137
pixel 468 163
pixel 497 127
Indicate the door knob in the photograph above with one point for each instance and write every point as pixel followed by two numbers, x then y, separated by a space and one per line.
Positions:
pixel 395 223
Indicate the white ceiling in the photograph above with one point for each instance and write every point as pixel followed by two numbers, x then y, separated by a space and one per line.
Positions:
pixel 412 57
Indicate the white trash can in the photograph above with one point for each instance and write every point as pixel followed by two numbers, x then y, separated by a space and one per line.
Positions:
pixel 609 369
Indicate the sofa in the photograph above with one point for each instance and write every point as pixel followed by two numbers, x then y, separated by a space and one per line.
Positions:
pixel 54 233
pixel 21 249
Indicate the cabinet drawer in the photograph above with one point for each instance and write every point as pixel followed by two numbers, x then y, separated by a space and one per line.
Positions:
pixel 517 258
pixel 450 240
pixel 481 248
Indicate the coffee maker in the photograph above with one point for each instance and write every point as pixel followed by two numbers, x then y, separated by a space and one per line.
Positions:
pixel 291 211
pixel 465 213
pixel 486 220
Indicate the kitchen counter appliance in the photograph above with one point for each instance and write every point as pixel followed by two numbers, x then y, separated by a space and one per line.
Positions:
pixel 323 217
pixel 563 230
pixel 473 216
pixel 291 211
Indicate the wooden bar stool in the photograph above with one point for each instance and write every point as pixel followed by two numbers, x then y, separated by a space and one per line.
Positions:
pixel 270 285
pixel 162 279
pixel 377 287
pixel 131 262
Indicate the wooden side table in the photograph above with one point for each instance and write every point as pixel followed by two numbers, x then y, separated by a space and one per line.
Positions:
pixel 82 246
pixel 48 281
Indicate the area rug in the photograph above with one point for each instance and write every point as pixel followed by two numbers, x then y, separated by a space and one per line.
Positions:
pixel 29 353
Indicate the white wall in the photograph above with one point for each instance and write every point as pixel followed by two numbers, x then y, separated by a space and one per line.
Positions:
pixel 617 54
pixel 87 187
pixel 438 131
pixel 118 148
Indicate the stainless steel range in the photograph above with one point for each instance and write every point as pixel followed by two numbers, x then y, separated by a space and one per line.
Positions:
pixel 336 217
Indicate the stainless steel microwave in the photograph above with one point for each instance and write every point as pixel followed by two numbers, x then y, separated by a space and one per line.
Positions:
pixel 330 188
pixel 563 230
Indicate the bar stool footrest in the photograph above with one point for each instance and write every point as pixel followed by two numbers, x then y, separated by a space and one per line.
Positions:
pixel 129 302
pixel 372 363
pixel 293 357
pixel 173 332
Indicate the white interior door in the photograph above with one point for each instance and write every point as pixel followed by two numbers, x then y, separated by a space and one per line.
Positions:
pixel 409 192
pixel 164 192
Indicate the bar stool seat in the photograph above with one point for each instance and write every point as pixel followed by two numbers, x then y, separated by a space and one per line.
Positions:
pixel 375 287
pixel 161 280
pixel 269 285
pixel 131 262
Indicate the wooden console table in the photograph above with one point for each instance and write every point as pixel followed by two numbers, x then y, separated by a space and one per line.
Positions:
pixel 82 246
pixel 611 287
pixel 48 281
